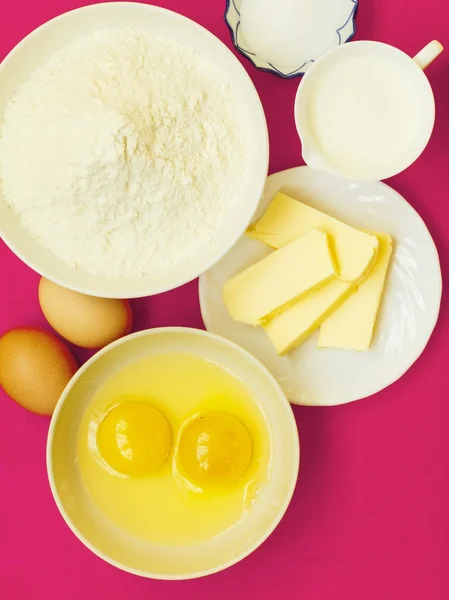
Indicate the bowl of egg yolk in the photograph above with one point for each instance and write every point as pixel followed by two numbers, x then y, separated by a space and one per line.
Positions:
pixel 172 453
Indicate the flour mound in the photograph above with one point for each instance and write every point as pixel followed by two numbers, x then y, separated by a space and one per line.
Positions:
pixel 123 153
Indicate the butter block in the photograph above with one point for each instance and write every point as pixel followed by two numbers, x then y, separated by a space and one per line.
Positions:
pixel 294 325
pixel 276 281
pixel 285 219
pixel 351 326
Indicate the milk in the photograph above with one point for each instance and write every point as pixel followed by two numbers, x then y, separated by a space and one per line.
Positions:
pixel 364 111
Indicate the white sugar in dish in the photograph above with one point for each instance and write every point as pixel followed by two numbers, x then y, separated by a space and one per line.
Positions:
pixel 123 153
pixel 288 33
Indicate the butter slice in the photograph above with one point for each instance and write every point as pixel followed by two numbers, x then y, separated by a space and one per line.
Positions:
pixel 285 219
pixel 294 325
pixel 351 326
pixel 276 281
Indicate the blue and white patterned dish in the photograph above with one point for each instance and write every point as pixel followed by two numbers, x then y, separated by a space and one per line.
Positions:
pixel 345 29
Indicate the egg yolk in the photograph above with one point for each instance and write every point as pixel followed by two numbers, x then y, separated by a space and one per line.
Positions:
pixel 134 439
pixel 215 448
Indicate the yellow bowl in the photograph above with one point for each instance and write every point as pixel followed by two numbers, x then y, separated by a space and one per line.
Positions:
pixel 123 550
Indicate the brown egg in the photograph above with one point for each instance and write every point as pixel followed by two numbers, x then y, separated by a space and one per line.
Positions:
pixel 35 367
pixel 86 321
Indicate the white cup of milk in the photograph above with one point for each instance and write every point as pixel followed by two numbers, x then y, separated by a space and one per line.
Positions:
pixel 365 110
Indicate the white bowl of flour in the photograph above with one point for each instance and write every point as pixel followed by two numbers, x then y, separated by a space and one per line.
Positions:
pixel 133 150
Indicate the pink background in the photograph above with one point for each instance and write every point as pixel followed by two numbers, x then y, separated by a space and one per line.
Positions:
pixel 370 516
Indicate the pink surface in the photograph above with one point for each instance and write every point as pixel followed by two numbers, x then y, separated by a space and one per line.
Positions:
pixel 370 516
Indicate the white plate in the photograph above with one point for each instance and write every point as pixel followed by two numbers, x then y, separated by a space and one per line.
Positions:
pixel 409 310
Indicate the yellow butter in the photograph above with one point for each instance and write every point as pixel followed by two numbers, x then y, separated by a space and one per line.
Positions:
pixel 285 219
pixel 294 325
pixel 351 326
pixel 270 285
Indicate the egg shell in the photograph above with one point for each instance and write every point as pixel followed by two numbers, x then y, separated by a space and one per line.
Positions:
pixel 35 367
pixel 86 321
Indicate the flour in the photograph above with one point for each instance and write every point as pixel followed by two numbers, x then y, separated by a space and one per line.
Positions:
pixel 123 153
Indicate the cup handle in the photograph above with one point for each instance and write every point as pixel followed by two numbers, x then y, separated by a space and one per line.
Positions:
pixel 428 54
